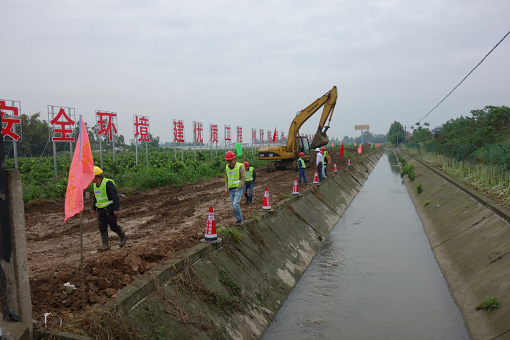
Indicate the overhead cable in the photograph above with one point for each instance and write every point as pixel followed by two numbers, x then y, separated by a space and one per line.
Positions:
pixel 465 77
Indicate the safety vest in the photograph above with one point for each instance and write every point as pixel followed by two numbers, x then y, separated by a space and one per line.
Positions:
pixel 249 174
pixel 233 175
pixel 302 162
pixel 101 195
pixel 325 156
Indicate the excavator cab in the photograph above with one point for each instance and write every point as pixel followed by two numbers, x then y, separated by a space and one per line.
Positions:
pixel 303 146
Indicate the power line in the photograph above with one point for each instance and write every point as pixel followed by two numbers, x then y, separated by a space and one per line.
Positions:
pixel 466 76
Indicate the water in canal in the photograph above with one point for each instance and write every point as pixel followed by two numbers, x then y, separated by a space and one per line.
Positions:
pixel 375 278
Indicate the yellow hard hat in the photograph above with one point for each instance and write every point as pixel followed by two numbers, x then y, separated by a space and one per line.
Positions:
pixel 97 170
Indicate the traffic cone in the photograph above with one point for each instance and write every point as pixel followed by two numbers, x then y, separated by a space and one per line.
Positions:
pixel 316 178
pixel 295 188
pixel 349 162
pixel 210 230
pixel 266 205
pixel 335 170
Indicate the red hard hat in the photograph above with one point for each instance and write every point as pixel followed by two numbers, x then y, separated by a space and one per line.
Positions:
pixel 322 149
pixel 229 156
pixel 246 165
pixel 301 154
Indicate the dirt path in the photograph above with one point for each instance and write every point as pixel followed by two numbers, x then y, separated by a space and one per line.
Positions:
pixel 159 224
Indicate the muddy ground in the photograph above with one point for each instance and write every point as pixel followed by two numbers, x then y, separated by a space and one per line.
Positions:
pixel 159 224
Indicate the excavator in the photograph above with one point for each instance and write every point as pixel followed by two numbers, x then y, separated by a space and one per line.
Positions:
pixel 285 155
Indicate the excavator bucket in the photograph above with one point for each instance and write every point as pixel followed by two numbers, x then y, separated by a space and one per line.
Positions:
pixel 320 139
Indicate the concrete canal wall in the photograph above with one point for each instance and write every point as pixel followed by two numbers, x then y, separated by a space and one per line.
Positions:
pixel 470 237
pixel 232 290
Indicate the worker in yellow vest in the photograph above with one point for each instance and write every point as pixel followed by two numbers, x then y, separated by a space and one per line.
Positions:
pixel 250 182
pixel 235 178
pixel 301 167
pixel 106 204
pixel 326 160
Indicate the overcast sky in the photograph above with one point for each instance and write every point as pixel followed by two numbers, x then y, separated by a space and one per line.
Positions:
pixel 255 63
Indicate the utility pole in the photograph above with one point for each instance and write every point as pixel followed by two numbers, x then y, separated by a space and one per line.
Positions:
pixel 405 136
pixel 5 229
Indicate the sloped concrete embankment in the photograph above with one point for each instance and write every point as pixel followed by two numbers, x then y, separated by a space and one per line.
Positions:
pixel 234 289
pixel 470 237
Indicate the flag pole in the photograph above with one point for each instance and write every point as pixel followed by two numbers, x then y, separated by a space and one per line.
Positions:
pixel 82 282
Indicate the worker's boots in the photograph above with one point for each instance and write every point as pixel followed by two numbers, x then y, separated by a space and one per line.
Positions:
pixel 104 238
pixel 123 237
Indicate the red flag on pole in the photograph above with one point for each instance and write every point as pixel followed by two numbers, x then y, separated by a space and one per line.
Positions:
pixel 342 150
pixel 360 150
pixel 81 173
pixel 274 135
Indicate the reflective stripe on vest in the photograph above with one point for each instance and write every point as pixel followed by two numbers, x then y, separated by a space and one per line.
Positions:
pixel 101 195
pixel 303 165
pixel 249 174
pixel 233 175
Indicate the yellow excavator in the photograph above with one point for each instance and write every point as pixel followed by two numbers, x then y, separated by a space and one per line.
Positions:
pixel 285 155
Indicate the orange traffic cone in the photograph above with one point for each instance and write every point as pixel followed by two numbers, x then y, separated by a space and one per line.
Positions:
pixel 316 178
pixel 295 188
pixel 349 162
pixel 266 205
pixel 210 230
pixel 335 168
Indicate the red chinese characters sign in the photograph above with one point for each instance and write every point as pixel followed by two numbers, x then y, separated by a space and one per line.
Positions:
pixel 213 133
pixel 269 138
pixel 141 128
pixel 282 139
pixel 107 122
pixel 62 120
pixel 239 134
pixel 11 121
pixel 227 133
pixel 178 131
pixel 261 135
pixel 253 136
pixel 198 132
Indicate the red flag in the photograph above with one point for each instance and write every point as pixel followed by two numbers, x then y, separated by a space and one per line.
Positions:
pixel 274 135
pixel 360 150
pixel 342 150
pixel 81 173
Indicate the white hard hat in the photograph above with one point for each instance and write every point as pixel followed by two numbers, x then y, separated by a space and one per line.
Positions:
pixel 317 149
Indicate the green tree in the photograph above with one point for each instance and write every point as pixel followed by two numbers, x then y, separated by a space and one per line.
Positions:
pixel 396 133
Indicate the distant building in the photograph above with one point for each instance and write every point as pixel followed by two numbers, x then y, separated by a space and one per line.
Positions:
pixel 437 130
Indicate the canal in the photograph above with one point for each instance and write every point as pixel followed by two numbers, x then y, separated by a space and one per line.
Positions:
pixel 375 278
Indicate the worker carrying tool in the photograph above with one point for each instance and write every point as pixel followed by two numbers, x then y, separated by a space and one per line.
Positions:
pixel 106 203
pixel 236 177
pixel 301 167
pixel 318 163
pixel 250 182
pixel 326 159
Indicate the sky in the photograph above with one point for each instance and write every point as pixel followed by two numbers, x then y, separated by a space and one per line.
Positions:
pixel 255 64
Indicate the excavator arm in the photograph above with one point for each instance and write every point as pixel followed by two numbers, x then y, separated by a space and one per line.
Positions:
pixel 328 101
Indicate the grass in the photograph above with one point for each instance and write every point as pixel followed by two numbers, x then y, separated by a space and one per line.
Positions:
pixel 485 178
pixel 426 203
pixel 408 170
pixel 419 189
pixel 488 304
pixel 232 234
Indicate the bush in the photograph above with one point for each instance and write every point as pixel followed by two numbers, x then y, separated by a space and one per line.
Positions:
pixel 409 171
pixel 419 189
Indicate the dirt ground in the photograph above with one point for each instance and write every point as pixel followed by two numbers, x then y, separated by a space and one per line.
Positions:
pixel 159 224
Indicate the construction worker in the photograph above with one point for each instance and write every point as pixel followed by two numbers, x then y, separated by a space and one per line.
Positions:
pixel 106 203
pixel 235 178
pixel 318 163
pixel 301 167
pixel 326 160
pixel 250 182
